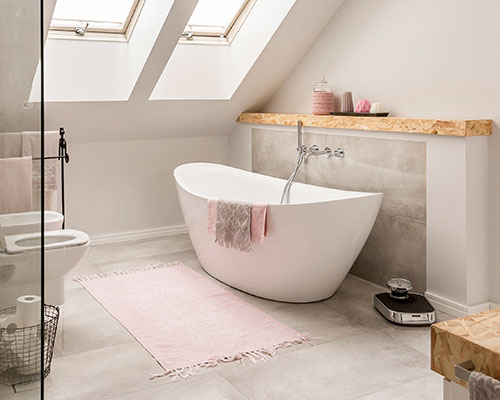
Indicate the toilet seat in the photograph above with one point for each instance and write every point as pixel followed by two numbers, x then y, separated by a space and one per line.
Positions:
pixel 30 242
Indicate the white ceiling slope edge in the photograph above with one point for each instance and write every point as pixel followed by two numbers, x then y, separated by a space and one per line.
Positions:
pixel 89 121
pixel 20 50
pixel 215 72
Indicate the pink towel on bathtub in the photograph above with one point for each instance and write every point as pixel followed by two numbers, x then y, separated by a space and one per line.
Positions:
pixel 237 224
pixel 258 222
pixel 212 216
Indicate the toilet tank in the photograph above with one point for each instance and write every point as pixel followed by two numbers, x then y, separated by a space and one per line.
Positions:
pixel 28 222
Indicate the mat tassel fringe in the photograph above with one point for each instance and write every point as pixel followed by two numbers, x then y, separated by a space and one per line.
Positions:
pixel 125 272
pixel 253 356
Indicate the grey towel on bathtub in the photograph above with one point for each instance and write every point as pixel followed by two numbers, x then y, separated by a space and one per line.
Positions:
pixel 232 226
pixel 483 387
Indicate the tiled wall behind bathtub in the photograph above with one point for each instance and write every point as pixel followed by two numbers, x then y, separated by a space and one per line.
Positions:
pixel 397 245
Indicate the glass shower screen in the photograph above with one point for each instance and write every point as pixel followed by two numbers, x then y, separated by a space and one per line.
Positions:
pixel 22 197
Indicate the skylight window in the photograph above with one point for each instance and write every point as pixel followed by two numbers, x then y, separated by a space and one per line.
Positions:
pixel 105 16
pixel 215 18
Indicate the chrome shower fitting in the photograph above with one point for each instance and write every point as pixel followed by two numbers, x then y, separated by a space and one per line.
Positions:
pixel 314 151
pixel 304 154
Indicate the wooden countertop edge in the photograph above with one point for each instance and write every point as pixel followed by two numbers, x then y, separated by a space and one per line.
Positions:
pixel 471 349
pixel 445 127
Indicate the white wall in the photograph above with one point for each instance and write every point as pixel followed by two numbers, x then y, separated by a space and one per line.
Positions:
pixel 116 187
pixel 419 58
pixel 422 59
pixel 20 51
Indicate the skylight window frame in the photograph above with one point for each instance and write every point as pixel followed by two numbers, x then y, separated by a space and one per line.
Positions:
pixel 191 37
pixel 100 34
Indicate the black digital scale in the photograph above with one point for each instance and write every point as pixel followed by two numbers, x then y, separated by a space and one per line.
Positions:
pixel 402 307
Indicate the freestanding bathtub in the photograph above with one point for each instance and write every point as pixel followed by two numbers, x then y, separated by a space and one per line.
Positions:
pixel 310 245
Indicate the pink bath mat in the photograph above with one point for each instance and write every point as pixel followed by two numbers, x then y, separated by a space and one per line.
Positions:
pixel 185 321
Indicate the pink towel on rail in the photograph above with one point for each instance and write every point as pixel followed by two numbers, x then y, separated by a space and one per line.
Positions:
pixel 31 146
pixel 258 220
pixel 15 185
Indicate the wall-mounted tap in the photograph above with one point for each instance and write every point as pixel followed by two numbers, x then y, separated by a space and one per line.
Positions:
pixel 304 155
pixel 314 151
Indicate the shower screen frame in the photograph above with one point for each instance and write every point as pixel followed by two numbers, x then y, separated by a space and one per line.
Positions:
pixel 42 199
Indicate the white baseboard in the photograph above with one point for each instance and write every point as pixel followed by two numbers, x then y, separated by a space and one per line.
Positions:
pixel 494 305
pixel 138 235
pixel 453 308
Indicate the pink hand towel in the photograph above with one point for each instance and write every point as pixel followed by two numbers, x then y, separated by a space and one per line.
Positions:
pixel 15 185
pixel 258 220
pixel 258 223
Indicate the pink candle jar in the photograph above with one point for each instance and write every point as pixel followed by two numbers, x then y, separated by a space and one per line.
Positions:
pixel 322 98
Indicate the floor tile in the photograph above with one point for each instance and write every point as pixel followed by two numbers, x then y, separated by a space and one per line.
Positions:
pixel 79 302
pixel 355 298
pixel 320 322
pixel 6 392
pixel 32 387
pixel 187 257
pixel 441 316
pixel 107 253
pixel 117 252
pixel 428 388
pixel 89 331
pixel 343 369
pixel 210 386
pixel 265 305
pixel 85 268
pixel 418 338
pixel 171 244
pixel 97 374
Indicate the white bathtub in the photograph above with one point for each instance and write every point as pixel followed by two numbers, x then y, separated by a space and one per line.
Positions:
pixel 310 245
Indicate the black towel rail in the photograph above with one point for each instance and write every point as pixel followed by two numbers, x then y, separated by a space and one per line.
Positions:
pixel 64 157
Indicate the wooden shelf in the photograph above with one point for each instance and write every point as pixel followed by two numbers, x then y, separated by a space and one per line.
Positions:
pixel 448 127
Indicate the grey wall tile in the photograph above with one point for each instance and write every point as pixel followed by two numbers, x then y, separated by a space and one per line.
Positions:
pixel 396 168
pixel 396 247
pixel 393 167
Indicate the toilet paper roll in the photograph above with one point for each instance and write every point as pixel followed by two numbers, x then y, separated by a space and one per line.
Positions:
pixel 28 310
pixel 9 324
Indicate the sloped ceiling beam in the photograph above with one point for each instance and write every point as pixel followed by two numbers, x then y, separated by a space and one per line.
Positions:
pixel 48 11
pixel 163 48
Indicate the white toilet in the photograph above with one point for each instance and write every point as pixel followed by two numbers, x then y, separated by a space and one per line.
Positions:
pixel 27 222
pixel 20 262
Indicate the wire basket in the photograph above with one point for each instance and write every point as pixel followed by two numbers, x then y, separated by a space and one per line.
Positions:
pixel 21 349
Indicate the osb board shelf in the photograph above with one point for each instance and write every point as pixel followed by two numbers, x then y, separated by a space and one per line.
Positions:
pixel 448 127
pixel 475 338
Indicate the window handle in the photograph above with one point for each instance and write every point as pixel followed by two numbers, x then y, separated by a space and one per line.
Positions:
pixel 187 35
pixel 82 31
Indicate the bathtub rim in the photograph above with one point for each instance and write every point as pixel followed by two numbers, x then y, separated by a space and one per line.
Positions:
pixel 181 182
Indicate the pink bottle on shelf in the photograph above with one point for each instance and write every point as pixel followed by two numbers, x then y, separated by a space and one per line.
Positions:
pixel 323 99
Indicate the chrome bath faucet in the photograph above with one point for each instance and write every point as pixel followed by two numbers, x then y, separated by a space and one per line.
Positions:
pixel 315 151
pixel 304 155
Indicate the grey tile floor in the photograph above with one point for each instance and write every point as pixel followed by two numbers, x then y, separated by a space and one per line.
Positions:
pixel 354 353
